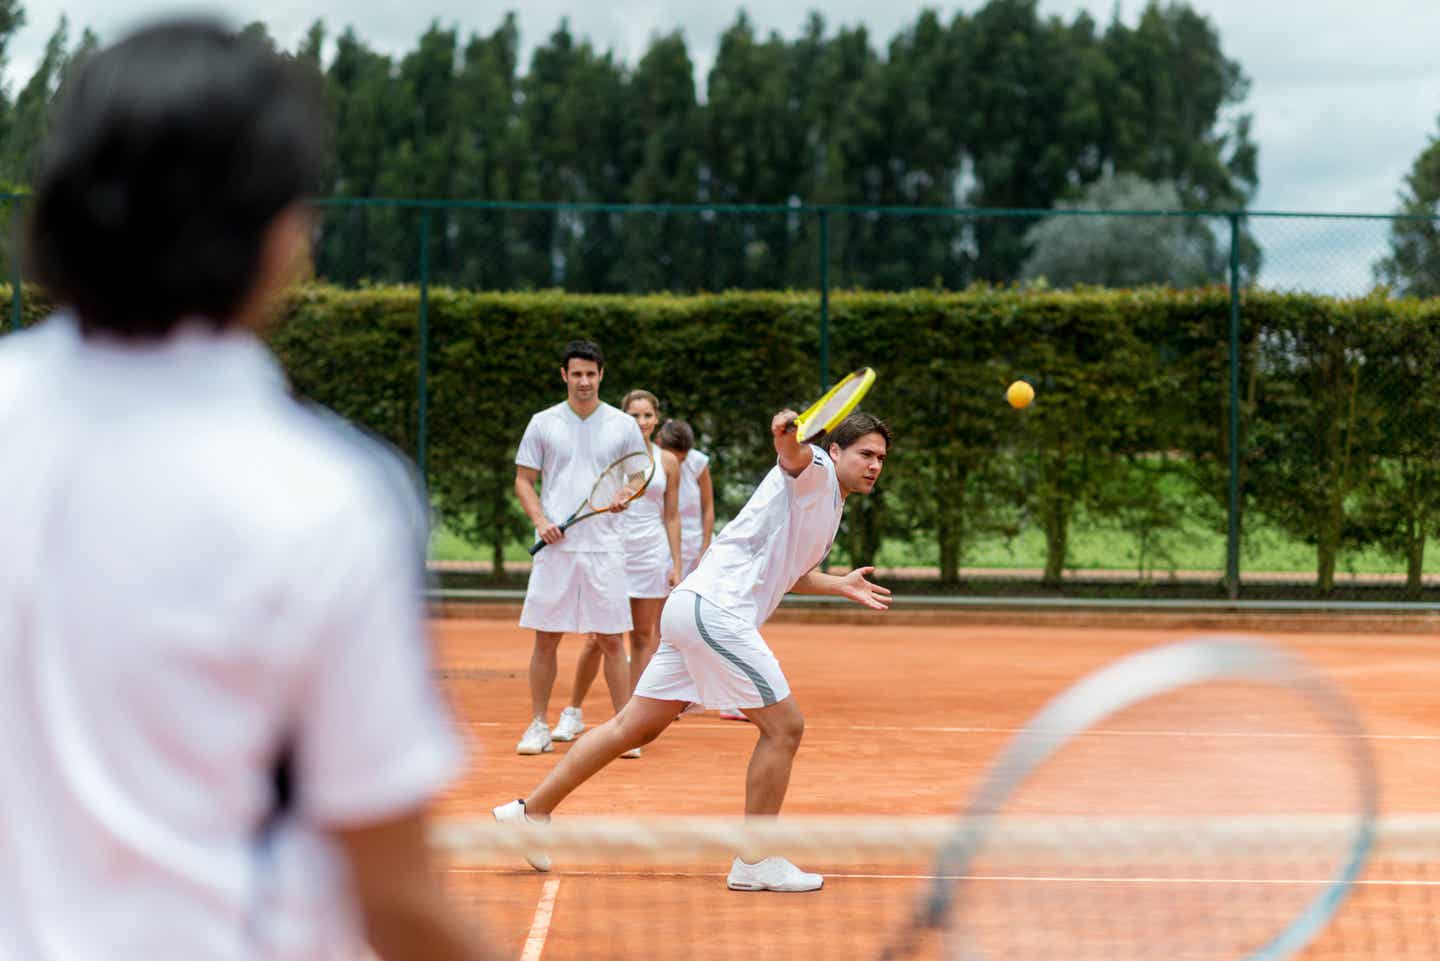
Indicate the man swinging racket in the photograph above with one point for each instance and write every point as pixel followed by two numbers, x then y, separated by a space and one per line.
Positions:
pixel 711 652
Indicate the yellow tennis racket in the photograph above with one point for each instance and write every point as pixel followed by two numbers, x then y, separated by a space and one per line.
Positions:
pixel 629 475
pixel 827 412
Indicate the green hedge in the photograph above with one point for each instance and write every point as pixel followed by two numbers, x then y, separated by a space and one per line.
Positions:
pixel 1340 402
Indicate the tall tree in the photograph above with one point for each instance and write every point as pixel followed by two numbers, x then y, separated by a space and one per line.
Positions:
pixel 1124 251
pixel 663 140
pixel 1413 266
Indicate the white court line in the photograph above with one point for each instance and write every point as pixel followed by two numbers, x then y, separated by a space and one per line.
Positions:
pixel 540 929
pixel 1099 732
pixel 1366 882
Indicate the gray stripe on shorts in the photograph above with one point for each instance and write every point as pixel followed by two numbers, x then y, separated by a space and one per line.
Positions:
pixel 767 694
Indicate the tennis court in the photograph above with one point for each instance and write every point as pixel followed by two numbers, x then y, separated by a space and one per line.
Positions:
pixel 902 718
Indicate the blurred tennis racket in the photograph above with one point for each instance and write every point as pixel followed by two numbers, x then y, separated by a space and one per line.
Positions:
pixel 827 412
pixel 1212 799
pixel 620 483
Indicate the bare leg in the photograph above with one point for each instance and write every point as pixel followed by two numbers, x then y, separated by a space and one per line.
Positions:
pixel 542 671
pixel 637 724
pixel 645 638
pixel 781 727
pixel 617 669
pixel 585 670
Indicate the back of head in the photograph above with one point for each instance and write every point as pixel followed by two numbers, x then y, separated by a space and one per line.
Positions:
pixel 169 155
pixel 675 435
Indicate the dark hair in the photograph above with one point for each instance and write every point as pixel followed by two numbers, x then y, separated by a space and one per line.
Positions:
pixel 856 426
pixel 582 350
pixel 675 435
pixel 169 155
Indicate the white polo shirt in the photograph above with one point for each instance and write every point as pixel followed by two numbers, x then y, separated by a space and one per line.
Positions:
pixel 570 452
pixel 199 577
pixel 782 533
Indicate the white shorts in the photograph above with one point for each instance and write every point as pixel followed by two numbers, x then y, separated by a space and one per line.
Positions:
pixel 647 565
pixel 711 658
pixel 577 593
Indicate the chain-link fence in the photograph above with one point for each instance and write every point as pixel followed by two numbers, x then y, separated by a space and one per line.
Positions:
pixel 1283 442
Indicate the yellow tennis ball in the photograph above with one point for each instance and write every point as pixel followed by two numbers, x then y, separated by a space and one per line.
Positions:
pixel 1020 394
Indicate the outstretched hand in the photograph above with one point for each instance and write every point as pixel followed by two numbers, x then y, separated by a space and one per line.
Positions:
pixel 855 586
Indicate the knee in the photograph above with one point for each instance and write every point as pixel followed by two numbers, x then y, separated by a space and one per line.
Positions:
pixel 547 643
pixel 789 732
pixel 609 644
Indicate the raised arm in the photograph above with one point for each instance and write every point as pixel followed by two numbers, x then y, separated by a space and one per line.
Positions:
pixel 525 480
pixel 794 456
pixel 852 585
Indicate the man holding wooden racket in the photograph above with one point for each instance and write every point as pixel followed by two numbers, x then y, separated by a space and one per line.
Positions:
pixel 711 652
pixel 577 583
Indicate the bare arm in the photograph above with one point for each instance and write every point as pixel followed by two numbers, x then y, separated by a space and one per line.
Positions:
pixel 707 508
pixel 407 916
pixel 794 456
pixel 525 480
pixel 852 585
pixel 671 513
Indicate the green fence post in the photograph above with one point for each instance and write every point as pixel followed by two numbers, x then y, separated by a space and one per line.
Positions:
pixel 1232 541
pixel 16 295
pixel 422 377
pixel 824 300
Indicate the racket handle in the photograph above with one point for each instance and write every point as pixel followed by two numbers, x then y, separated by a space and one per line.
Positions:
pixel 793 425
pixel 535 548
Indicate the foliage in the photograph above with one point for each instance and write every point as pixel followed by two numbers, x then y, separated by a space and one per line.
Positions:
pixel 1413 266
pixel 1128 428
pixel 1124 251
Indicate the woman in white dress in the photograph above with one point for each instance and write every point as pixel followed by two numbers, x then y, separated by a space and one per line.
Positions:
pixel 651 529
pixel 697 494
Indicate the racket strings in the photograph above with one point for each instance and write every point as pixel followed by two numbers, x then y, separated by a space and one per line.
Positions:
pixel 630 476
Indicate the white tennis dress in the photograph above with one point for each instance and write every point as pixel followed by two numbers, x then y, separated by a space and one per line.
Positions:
pixel 692 521
pixel 647 547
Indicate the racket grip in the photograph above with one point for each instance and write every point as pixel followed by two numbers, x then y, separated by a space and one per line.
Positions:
pixel 535 548
pixel 793 425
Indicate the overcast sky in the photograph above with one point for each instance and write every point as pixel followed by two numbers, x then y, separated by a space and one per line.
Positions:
pixel 1344 94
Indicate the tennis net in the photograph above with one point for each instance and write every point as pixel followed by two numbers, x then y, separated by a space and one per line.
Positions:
pixel 1052 888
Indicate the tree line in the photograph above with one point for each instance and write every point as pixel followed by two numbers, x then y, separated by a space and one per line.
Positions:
pixel 1339 404
pixel 1002 108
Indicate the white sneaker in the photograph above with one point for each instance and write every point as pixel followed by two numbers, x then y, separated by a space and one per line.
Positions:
pixel 536 739
pixel 771 874
pixel 572 722
pixel 514 813
pixel 633 752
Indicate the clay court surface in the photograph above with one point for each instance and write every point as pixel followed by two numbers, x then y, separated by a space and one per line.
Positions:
pixel 901 720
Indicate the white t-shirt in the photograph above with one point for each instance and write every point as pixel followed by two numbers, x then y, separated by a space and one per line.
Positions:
pixel 200 577
pixel 783 532
pixel 570 451
pixel 692 519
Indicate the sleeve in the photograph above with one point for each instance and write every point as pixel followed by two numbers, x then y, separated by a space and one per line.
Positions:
pixel 632 438
pixel 699 459
pixel 816 479
pixel 373 735
pixel 531 452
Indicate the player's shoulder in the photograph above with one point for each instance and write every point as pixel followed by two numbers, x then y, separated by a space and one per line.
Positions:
pixel 549 415
pixel 24 354
pixel 330 469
